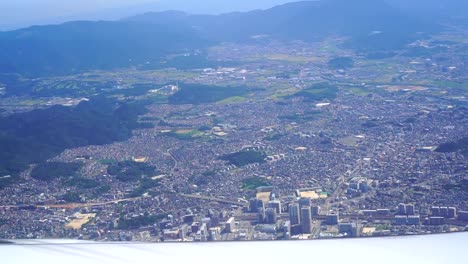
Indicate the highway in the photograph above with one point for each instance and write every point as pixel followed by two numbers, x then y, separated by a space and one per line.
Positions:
pixel 71 205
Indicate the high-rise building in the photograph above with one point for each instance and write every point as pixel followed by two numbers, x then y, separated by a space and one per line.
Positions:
pixel 364 186
pixel 294 214
pixel 188 218
pixel 414 220
pixel 410 209
pixel 296 229
pixel 435 211
pixel 287 227
pixel 255 204
pixel 165 224
pixel 261 215
pixel 183 231
pixel 315 210
pixel 214 221
pixel 444 211
pixel 462 215
pixel 206 221
pixel 214 234
pixel 306 219
pixel 452 212
pixel 402 209
pixel 332 218
pixel 436 220
pixel 195 227
pixel 401 219
pixel 230 225
pixel 276 204
pixel 305 202
pixel 287 230
pixel 171 235
pixel 350 229
pixel 270 216
pixel 383 211
pixel 204 229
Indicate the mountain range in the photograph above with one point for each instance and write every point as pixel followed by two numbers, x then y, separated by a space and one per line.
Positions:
pixel 73 47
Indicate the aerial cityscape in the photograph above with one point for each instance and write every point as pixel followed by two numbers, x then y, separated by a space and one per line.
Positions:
pixel 269 139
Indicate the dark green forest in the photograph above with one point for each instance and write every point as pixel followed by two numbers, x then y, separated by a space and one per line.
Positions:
pixel 140 221
pixel 84 45
pixel 52 170
pixel 33 137
pixel 455 146
pixel 128 171
pixel 318 92
pixel 341 63
pixel 254 182
pixel 244 157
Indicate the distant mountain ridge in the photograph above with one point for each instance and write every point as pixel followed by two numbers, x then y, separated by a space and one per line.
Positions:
pixel 79 46
pixel 306 20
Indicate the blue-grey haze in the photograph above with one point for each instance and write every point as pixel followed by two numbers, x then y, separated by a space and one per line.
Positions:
pixel 22 13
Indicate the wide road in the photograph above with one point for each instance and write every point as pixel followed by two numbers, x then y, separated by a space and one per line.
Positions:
pixel 72 205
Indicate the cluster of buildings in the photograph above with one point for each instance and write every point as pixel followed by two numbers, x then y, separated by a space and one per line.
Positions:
pixel 369 149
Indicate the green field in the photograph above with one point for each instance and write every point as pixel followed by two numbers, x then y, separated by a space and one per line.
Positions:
pixel 185 134
pixel 358 91
pixel 318 92
pixel 233 100
pixel 462 86
pixel 253 183
pixel 350 141
pixel 107 161
pixel 157 99
pixel 289 58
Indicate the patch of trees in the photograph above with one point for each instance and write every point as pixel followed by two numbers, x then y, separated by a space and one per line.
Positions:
pixel 273 137
pixel 370 124
pixel 244 157
pixel 83 183
pixel 423 52
pixel 341 63
pixel 254 183
pixel 139 221
pixel 36 136
pixel 128 171
pixel 454 146
pixel 204 178
pixel 461 186
pixel 71 197
pixel 301 117
pixel 53 170
pixel 379 55
pixel 318 92
pixel 145 185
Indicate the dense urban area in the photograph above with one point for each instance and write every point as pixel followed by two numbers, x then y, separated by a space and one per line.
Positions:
pixel 272 141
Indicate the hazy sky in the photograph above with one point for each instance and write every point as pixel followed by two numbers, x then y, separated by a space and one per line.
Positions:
pixel 23 9
pixel 19 13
